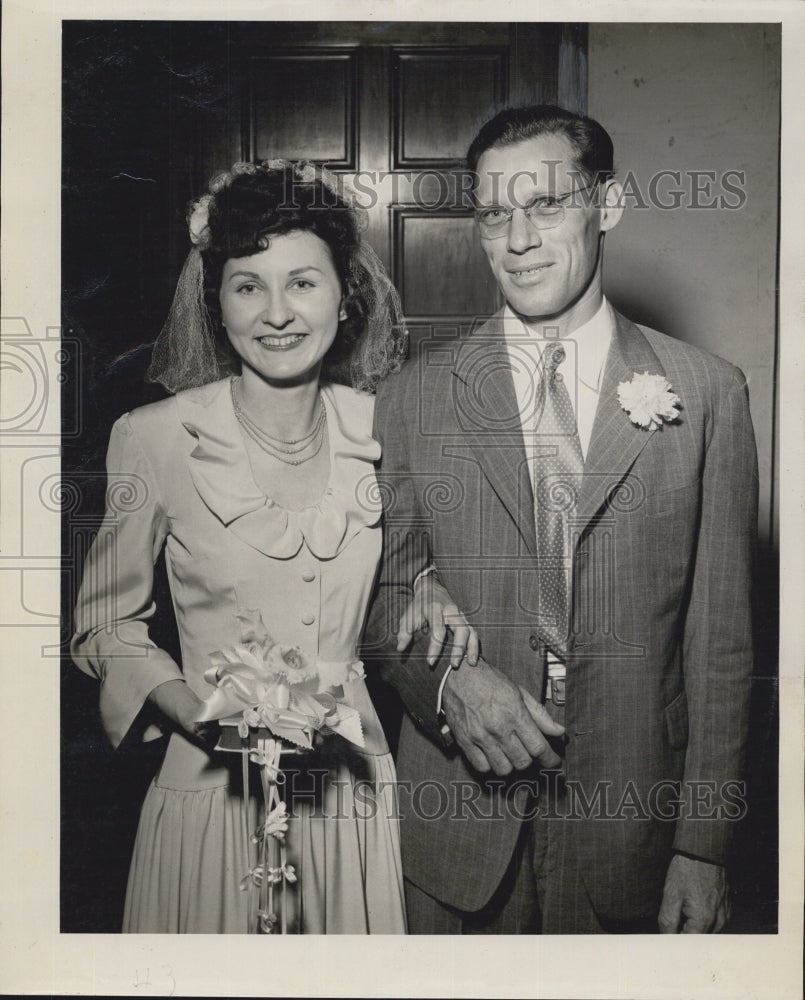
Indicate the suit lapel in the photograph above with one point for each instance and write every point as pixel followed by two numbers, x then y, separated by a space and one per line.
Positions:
pixel 487 412
pixel 616 441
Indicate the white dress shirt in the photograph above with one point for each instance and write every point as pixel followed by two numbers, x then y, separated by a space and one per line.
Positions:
pixel 585 353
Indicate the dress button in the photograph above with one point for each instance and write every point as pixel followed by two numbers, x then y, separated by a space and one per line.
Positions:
pixel 269 502
pixel 533 642
pixel 308 619
pixel 308 576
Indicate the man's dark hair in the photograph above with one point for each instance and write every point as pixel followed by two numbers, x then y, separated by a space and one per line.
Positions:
pixel 591 141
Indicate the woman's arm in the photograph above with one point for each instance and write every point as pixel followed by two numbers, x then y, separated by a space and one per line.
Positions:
pixel 413 665
pixel 432 606
pixel 115 603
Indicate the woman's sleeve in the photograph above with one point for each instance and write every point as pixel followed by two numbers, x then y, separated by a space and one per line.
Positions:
pixel 115 603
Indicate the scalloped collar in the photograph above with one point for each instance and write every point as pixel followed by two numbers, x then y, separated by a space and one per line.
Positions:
pixel 221 473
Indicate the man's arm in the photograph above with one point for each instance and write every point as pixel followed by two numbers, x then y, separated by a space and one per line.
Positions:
pixel 717 659
pixel 496 725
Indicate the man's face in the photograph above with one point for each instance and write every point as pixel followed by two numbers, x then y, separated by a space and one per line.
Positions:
pixel 544 273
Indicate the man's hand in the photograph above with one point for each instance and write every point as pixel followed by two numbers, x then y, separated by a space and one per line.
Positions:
pixel 695 898
pixel 432 605
pixel 498 725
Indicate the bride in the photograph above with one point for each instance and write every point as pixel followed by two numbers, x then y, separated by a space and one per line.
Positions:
pixel 256 478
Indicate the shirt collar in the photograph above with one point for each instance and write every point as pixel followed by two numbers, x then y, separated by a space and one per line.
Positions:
pixel 591 339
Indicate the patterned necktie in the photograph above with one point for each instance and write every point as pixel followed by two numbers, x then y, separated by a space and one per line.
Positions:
pixel 557 472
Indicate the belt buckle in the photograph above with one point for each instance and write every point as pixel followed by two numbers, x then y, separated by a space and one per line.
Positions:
pixel 557 690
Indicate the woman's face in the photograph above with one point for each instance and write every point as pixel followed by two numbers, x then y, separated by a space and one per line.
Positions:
pixel 281 307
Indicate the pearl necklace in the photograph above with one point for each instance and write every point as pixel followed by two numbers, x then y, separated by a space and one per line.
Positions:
pixel 274 446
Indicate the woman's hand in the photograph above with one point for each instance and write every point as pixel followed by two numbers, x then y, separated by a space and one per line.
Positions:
pixel 182 706
pixel 433 606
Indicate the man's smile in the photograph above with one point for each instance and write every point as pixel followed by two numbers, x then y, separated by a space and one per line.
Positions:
pixel 523 275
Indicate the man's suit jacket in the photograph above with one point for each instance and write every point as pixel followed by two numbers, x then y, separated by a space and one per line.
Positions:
pixel 659 665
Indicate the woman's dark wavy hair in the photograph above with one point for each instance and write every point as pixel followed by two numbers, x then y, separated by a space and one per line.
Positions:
pixel 591 141
pixel 253 207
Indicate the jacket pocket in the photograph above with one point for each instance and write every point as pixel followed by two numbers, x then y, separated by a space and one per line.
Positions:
pixel 677 500
pixel 676 722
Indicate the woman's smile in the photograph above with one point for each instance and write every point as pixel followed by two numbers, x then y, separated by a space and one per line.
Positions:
pixel 285 342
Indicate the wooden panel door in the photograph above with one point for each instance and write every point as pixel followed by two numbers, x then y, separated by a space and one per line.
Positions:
pixel 391 108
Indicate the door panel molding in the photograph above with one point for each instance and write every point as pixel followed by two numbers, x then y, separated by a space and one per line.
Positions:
pixel 316 111
pixel 488 75
pixel 451 281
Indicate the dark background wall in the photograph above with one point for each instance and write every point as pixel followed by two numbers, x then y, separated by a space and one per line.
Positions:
pixel 152 109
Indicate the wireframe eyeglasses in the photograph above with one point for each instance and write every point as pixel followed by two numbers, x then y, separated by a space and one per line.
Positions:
pixel 546 211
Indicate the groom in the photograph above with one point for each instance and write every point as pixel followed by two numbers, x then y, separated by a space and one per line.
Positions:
pixel 585 489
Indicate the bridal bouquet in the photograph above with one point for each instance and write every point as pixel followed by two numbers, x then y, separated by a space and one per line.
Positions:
pixel 277 698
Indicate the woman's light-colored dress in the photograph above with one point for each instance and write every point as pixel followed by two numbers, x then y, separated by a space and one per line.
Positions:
pixel 180 477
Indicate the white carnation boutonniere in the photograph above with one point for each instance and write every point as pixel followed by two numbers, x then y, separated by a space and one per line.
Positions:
pixel 648 400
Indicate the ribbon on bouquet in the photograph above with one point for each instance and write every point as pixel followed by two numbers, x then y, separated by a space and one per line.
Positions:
pixel 286 696
pixel 272 869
